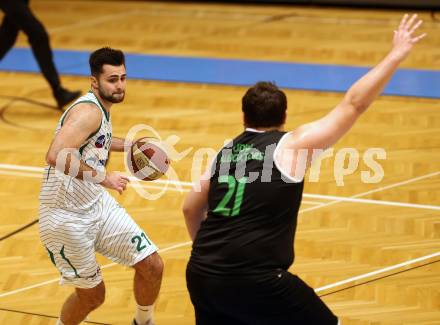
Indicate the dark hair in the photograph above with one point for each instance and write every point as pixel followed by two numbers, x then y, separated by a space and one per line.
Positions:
pixel 264 105
pixel 105 55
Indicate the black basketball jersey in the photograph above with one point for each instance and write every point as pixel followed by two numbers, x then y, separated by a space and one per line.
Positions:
pixel 252 214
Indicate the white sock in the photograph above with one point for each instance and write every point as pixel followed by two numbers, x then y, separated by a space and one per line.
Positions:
pixel 59 322
pixel 144 315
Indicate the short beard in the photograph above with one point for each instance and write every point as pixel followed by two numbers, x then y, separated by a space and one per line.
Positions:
pixel 111 98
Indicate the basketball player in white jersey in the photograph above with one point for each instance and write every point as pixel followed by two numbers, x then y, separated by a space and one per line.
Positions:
pixel 78 217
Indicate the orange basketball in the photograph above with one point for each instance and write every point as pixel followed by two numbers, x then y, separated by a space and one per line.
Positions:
pixel 146 160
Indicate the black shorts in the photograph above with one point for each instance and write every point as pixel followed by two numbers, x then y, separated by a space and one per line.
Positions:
pixel 277 298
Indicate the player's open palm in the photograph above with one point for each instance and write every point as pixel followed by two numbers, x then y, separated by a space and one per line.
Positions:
pixel 404 38
pixel 115 181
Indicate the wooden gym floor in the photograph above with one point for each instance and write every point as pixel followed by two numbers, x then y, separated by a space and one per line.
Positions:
pixel 366 228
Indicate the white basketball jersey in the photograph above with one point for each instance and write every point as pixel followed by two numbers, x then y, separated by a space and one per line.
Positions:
pixel 66 192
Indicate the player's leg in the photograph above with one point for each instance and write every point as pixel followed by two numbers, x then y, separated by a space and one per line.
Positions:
pixel 69 240
pixel 80 303
pixel 123 241
pixel 296 303
pixel 8 35
pixel 275 297
pixel 147 281
pixel 215 303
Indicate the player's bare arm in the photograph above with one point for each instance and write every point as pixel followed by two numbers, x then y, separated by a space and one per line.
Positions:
pixel 119 145
pixel 195 207
pixel 325 132
pixel 79 124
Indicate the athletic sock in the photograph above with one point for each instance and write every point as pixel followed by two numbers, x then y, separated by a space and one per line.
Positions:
pixel 144 315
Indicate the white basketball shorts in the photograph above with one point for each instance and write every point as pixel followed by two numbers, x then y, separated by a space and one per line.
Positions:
pixel 71 239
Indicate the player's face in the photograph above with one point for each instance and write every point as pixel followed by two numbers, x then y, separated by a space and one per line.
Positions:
pixel 111 83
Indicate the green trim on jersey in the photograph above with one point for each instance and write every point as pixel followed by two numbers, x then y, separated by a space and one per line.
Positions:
pixel 81 149
pixel 107 114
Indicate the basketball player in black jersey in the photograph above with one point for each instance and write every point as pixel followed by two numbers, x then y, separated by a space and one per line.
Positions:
pixel 242 216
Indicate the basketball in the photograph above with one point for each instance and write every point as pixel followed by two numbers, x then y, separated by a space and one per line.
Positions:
pixel 146 159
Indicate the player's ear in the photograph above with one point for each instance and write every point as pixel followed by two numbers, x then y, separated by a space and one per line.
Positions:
pixel 94 82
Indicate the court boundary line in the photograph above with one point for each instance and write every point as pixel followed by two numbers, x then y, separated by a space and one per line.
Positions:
pixel 369 201
pixel 379 278
pixel 19 170
pixel 376 272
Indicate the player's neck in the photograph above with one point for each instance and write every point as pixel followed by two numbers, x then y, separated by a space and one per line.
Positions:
pixel 105 103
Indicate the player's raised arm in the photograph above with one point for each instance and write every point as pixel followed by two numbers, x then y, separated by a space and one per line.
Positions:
pixel 325 132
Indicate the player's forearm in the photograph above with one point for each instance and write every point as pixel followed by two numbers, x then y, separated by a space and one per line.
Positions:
pixel 89 174
pixel 370 86
pixel 118 144
pixel 193 219
pixel 69 164
pixel 193 226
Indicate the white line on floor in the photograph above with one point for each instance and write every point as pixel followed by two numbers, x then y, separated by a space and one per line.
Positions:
pixel 16 170
pixel 385 269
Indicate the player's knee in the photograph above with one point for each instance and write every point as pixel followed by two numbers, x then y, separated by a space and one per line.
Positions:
pixel 155 265
pixel 92 298
pixel 152 266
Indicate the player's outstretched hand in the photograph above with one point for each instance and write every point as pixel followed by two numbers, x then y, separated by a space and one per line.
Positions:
pixel 404 38
pixel 115 181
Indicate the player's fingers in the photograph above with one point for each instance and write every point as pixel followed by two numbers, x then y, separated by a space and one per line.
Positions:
pixel 410 22
pixel 403 21
pixel 418 38
pixel 126 178
pixel 417 25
